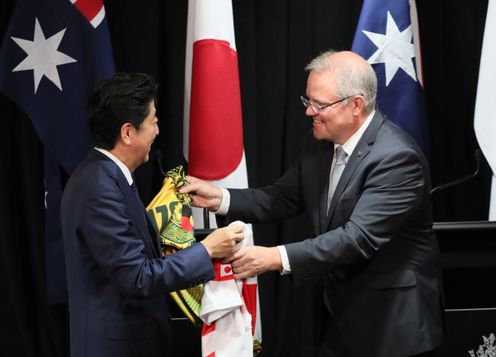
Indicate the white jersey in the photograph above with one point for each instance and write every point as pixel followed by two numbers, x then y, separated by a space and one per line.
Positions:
pixel 228 310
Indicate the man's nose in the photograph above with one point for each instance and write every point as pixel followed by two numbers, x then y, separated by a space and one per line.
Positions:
pixel 310 112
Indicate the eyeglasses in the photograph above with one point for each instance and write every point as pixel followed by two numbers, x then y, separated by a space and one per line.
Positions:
pixel 319 108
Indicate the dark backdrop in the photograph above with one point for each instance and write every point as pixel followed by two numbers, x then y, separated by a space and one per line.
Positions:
pixel 275 39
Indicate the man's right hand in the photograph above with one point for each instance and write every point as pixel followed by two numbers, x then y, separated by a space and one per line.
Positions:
pixel 220 243
pixel 203 194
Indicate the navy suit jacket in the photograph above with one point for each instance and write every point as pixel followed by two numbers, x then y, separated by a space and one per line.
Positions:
pixel 375 251
pixel 118 281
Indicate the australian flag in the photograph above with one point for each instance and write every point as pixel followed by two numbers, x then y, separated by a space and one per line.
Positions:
pixel 387 37
pixel 53 54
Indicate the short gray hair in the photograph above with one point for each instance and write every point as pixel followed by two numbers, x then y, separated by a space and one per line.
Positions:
pixel 351 79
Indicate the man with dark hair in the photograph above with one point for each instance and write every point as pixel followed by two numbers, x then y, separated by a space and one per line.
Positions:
pixel 118 280
pixel 365 185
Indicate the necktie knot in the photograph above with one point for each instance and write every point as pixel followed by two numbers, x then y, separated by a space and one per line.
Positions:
pixel 340 156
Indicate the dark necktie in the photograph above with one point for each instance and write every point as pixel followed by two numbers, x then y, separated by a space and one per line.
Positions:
pixel 146 222
pixel 136 194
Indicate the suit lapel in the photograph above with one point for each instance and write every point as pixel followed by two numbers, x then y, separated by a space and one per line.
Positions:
pixel 154 236
pixel 137 212
pixel 323 189
pixel 359 153
pixel 139 216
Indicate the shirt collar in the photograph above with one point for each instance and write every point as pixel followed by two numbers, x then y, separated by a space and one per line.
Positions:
pixel 352 142
pixel 122 166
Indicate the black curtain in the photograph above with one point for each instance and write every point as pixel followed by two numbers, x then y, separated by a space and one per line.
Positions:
pixel 275 39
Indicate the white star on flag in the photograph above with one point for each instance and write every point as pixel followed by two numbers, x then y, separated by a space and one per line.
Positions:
pixel 394 48
pixel 43 56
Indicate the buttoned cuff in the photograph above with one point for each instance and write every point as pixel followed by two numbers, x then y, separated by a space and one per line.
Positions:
pixel 224 203
pixel 286 268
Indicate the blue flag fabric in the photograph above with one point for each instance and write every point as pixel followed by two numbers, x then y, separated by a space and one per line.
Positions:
pixel 384 37
pixel 53 54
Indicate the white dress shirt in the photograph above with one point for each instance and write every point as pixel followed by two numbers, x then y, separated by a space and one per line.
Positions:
pixel 348 148
pixel 122 166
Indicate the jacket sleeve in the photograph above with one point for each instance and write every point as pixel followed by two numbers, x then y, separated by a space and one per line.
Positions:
pixel 391 190
pixel 269 204
pixel 118 249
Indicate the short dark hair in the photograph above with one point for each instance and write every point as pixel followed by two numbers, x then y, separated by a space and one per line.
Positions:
pixel 123 98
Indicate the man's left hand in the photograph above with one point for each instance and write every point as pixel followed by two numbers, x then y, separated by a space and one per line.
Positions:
pixel 254 260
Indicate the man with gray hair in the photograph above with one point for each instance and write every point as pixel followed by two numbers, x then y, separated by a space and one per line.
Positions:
pixel 366 186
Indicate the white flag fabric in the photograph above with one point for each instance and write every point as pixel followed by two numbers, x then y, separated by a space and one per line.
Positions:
pixel 227 308
pixel 213 127
pixel 485 107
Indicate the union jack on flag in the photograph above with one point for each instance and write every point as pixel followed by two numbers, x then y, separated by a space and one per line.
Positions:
pixel 54 52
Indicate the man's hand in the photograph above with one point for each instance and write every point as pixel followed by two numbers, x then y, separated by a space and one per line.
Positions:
pixel 220 243
pixel 203 194
pixel 251 261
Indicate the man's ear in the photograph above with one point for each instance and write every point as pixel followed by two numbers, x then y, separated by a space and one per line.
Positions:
pixel 127 133
pixel 358 104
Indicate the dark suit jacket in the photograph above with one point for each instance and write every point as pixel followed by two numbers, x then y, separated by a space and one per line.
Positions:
pixel 117 280
pixel 376 250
